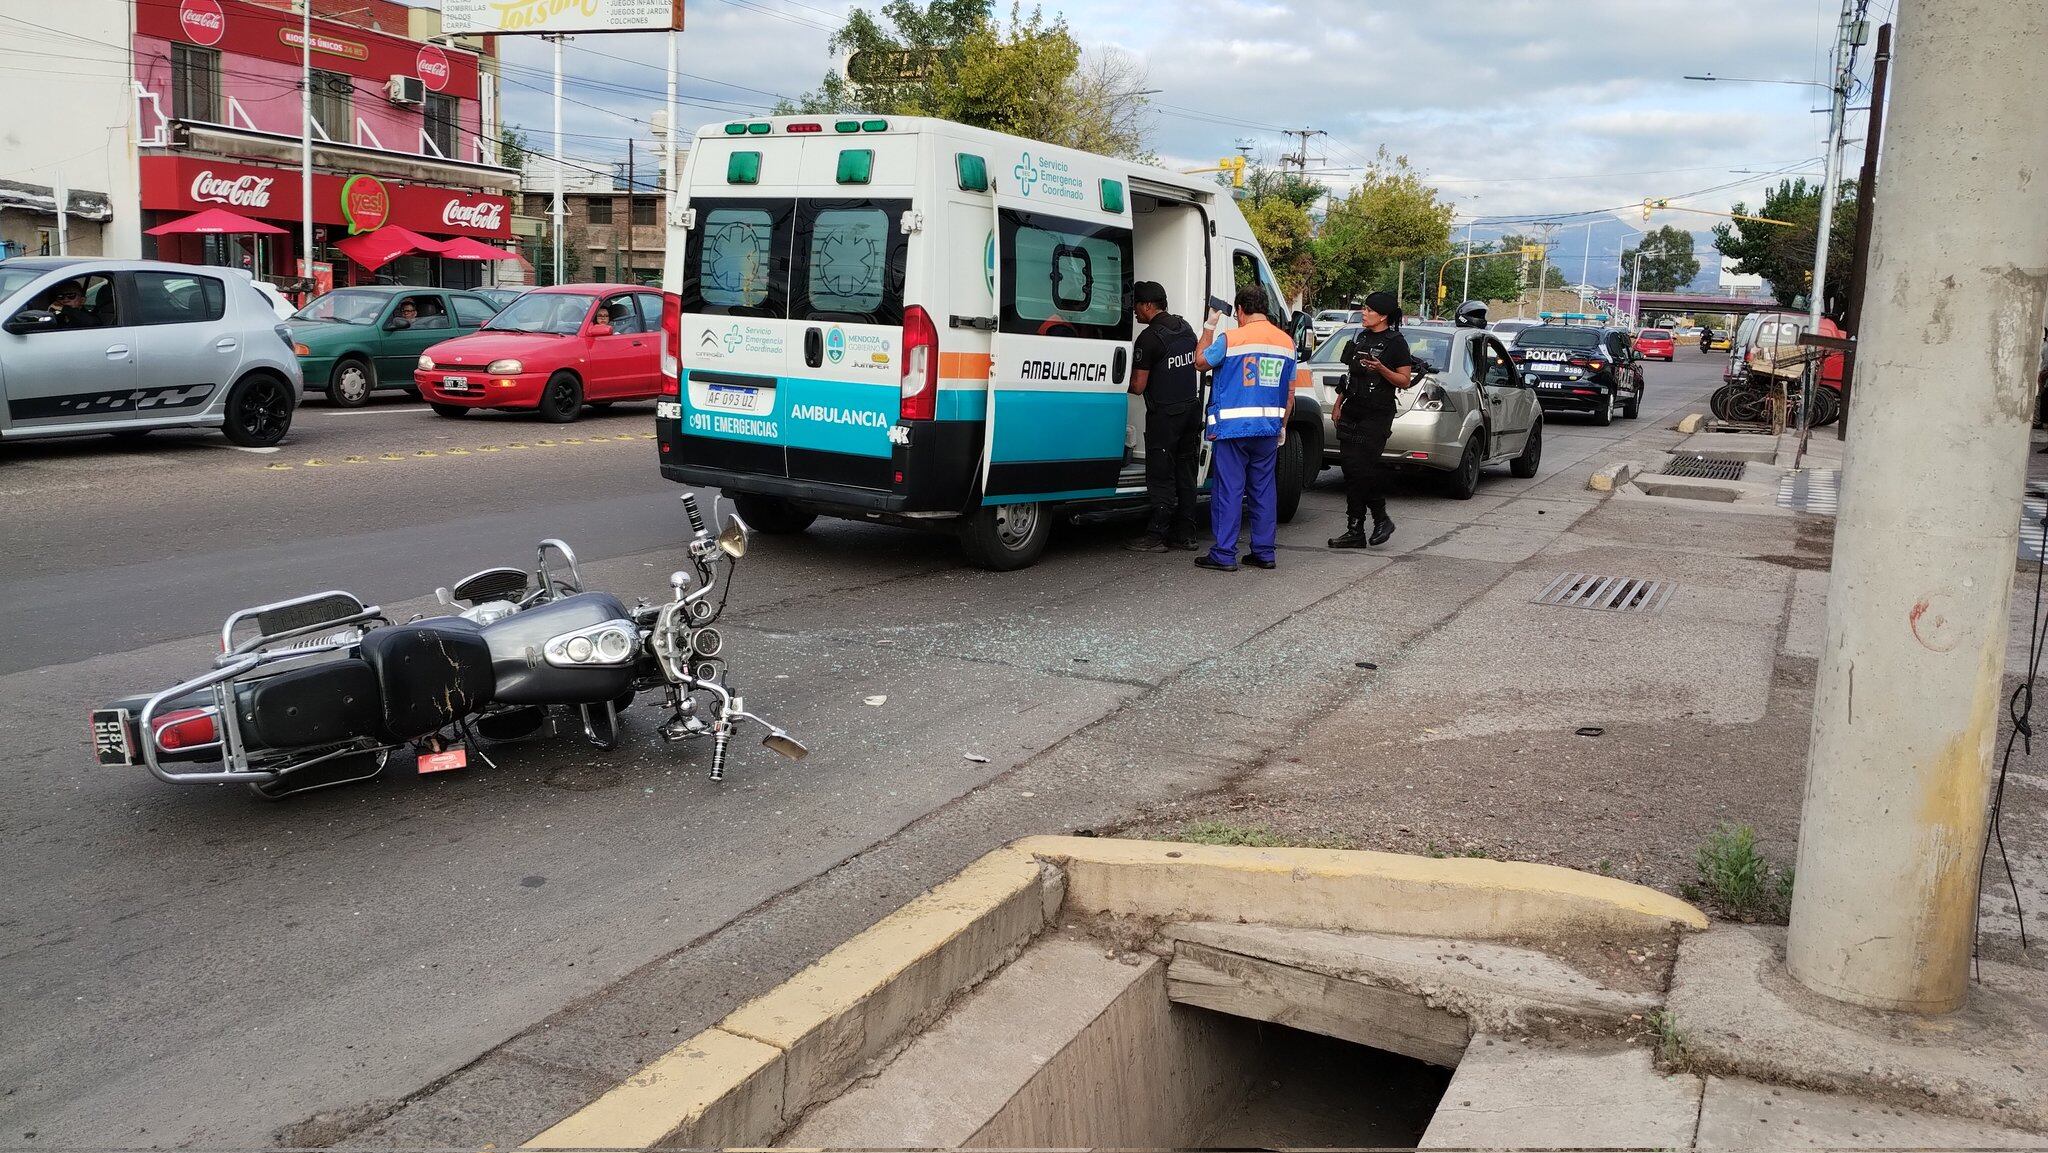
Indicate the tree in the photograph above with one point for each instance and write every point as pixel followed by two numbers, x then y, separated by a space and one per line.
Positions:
pixel 954 60
pixel 1391 217
pixel 1287 236
pixel 1668 263
pixel 512 150
pixel 1784 256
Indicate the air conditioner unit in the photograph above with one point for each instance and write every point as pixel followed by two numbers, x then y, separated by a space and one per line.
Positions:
pixel 406 90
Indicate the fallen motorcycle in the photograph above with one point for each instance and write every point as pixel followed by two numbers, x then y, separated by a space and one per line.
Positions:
pixel 320 690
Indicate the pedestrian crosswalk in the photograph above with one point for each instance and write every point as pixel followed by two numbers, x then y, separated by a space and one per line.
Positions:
pixel 1818 491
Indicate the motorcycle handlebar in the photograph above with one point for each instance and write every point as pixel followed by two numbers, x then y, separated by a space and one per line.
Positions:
pixel 696 517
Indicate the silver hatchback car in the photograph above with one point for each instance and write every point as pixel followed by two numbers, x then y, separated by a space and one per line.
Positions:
pixel 1469 410
pixel 90 345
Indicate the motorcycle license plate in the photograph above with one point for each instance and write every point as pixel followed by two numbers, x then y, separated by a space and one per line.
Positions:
pixel 441 762
pixel 455 384
pixel 113 738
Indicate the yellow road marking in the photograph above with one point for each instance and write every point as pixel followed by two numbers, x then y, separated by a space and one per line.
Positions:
pixel 430 453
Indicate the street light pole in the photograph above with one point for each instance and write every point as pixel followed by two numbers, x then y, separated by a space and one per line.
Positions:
pixel 306 145
pixel 1845 49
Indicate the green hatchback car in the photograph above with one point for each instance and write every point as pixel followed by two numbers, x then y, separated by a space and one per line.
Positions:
pixel 354 341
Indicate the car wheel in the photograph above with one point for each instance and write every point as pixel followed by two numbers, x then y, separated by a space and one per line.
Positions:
pixel 1525 465
pixel 772 514
pixel 352 383
pixel 1633 405
pixel 451 411
pixel 562 400
pixel 258 411
pixel 1605 416
pixel 1464 480
pixel 1005 537
pixel 1289 477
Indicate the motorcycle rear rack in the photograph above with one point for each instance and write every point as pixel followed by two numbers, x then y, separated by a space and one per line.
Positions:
pixel 294 619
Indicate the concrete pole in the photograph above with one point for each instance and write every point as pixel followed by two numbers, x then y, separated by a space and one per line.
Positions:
pixel 1905 713
pixel 1866 193
pixel 561 204
pixel 1839 101
pixel 1468 264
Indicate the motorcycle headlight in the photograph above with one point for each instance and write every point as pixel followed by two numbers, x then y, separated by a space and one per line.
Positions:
pixel 505 368
pixel 607 643
pixel 426 363
pixel 613 645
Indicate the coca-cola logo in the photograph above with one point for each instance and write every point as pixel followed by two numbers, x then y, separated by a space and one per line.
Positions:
pixel 240 191
pixel 487 216
pixel 433 67
pixel 202 21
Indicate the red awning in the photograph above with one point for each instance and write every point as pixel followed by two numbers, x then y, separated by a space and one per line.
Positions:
pixel 374 250
pixel 215 221
pixel 469 248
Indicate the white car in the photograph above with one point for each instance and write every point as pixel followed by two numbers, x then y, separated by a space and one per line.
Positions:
pixel 1329 320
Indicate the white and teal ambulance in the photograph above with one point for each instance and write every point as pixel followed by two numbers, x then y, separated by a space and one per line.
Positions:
pixel 919 323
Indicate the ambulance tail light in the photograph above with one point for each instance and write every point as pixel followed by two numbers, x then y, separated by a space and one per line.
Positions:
pixel 671 344
pixel 920 365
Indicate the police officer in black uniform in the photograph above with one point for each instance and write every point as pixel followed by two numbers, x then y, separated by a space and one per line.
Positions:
pixel 1164 374
pixel 1380 363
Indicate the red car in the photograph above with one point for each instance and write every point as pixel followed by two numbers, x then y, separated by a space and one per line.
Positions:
pixel 1656 342
pixel 553 350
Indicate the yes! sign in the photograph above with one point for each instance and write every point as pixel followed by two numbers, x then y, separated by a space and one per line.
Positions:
pixel 365 204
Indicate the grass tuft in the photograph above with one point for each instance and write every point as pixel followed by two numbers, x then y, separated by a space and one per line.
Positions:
pixel 1740 879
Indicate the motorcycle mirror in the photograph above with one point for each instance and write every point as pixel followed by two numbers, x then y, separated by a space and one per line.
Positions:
pixel 785 744
pixel 444 596
pixel 732 539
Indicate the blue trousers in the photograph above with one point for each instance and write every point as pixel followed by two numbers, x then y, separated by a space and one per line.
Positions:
pixel 1241 469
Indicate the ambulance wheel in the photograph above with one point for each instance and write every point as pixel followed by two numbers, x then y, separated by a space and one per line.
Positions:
pixel 1004 537
pixel 772 514
pixel 1289 478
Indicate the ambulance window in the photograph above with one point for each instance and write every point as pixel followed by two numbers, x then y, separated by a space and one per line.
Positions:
pixel 1065 277
pixel 850 261
pixel 737 261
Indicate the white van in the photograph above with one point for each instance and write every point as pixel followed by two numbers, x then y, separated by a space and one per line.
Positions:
pixel 919 323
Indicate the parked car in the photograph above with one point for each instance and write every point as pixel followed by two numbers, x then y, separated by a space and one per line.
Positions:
pixel 1582 366
pixel 1469 408
pixel 1329 320
pixel 500 297
pixel 521 359
pixel 353 341
pixel 1509 329
pixel 1660 343
pixel 128 346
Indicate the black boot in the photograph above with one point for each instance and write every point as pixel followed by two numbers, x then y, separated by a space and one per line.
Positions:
pixel 1382 530
pixel 1354 536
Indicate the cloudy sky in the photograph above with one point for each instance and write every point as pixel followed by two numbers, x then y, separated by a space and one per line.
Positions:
pixel 1513 108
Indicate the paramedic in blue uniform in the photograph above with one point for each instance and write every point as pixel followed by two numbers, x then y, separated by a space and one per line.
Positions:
pixel 1164 374
pixel 1247 419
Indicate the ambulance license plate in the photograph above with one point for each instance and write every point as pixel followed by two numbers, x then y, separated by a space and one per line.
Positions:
pixel 737 396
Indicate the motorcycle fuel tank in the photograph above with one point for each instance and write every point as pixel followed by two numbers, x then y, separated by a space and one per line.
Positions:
pixel 529 674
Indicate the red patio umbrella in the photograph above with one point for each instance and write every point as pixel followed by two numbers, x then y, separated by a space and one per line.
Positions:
pixel 214 222
pixel 468 248
pixel 374 250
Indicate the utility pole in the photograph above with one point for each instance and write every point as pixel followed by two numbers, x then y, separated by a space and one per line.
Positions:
pixel 1848 34
pixel 1300 158
pixel 1543 265
pixel 1866 190
pixel 1905 710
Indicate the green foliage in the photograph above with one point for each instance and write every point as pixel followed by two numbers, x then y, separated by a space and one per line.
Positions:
pixel 1669 264
pixel 1390 217
pixel 512 149
pixel 1670 1042
pixel 1224 833
pixel 1741 879
pixel 1784 256
pixel 1287 235
pixel 1026 76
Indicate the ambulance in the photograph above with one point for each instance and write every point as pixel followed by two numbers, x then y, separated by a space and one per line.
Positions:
pixel 918 323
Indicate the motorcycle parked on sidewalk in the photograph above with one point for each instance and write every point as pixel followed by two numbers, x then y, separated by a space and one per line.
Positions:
pixel 320 690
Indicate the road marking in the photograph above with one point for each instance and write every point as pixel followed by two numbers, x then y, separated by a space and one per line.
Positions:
pixel 474 450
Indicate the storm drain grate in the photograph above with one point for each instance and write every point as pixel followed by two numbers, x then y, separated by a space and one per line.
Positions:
pixel 1814 490
pixel 1704 467
pixel 1616 594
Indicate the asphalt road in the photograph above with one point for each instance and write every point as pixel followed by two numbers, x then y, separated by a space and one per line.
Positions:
pixel 194 965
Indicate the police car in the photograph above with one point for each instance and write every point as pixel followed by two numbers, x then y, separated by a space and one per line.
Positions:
pixel 1580 363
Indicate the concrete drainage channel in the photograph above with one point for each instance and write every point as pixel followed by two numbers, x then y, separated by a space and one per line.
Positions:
pixel 1744 471
pixel 1084 992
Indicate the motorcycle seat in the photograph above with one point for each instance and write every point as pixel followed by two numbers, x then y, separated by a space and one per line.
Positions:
pixel 429 674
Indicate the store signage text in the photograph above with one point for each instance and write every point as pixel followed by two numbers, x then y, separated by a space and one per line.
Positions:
pixel 331 45
pixel 487 216
pixel 202 21
pixel 433 68
pixel 241 191
pixel 365 204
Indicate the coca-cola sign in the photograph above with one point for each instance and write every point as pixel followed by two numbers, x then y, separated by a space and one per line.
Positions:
pixel 433 67
pixel 241 191
pixel 485 216
pixel 202 21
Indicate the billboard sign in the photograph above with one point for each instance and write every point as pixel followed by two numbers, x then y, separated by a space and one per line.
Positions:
pixel 516 17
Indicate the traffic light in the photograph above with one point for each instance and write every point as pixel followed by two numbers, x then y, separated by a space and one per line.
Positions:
pixel 1533 251
pixel 1650 204
pixel 1234 165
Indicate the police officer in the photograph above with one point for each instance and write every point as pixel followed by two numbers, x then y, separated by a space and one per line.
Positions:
pixel 1164 374
pixel 1380 363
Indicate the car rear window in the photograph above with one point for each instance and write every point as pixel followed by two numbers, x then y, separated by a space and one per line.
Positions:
pixel 1545 336
pixel 1656 333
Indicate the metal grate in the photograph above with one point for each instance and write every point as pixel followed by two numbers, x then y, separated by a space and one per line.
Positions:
pixel 1616 594
pixel 1814 490
pixel 1704 467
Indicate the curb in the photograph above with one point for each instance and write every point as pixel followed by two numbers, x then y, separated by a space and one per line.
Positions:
pixel 1612 477
pixel 744 1080
pixel 1351 890
pixel 1692 422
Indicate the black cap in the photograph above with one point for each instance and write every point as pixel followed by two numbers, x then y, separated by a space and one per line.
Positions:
pixel 1148 292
